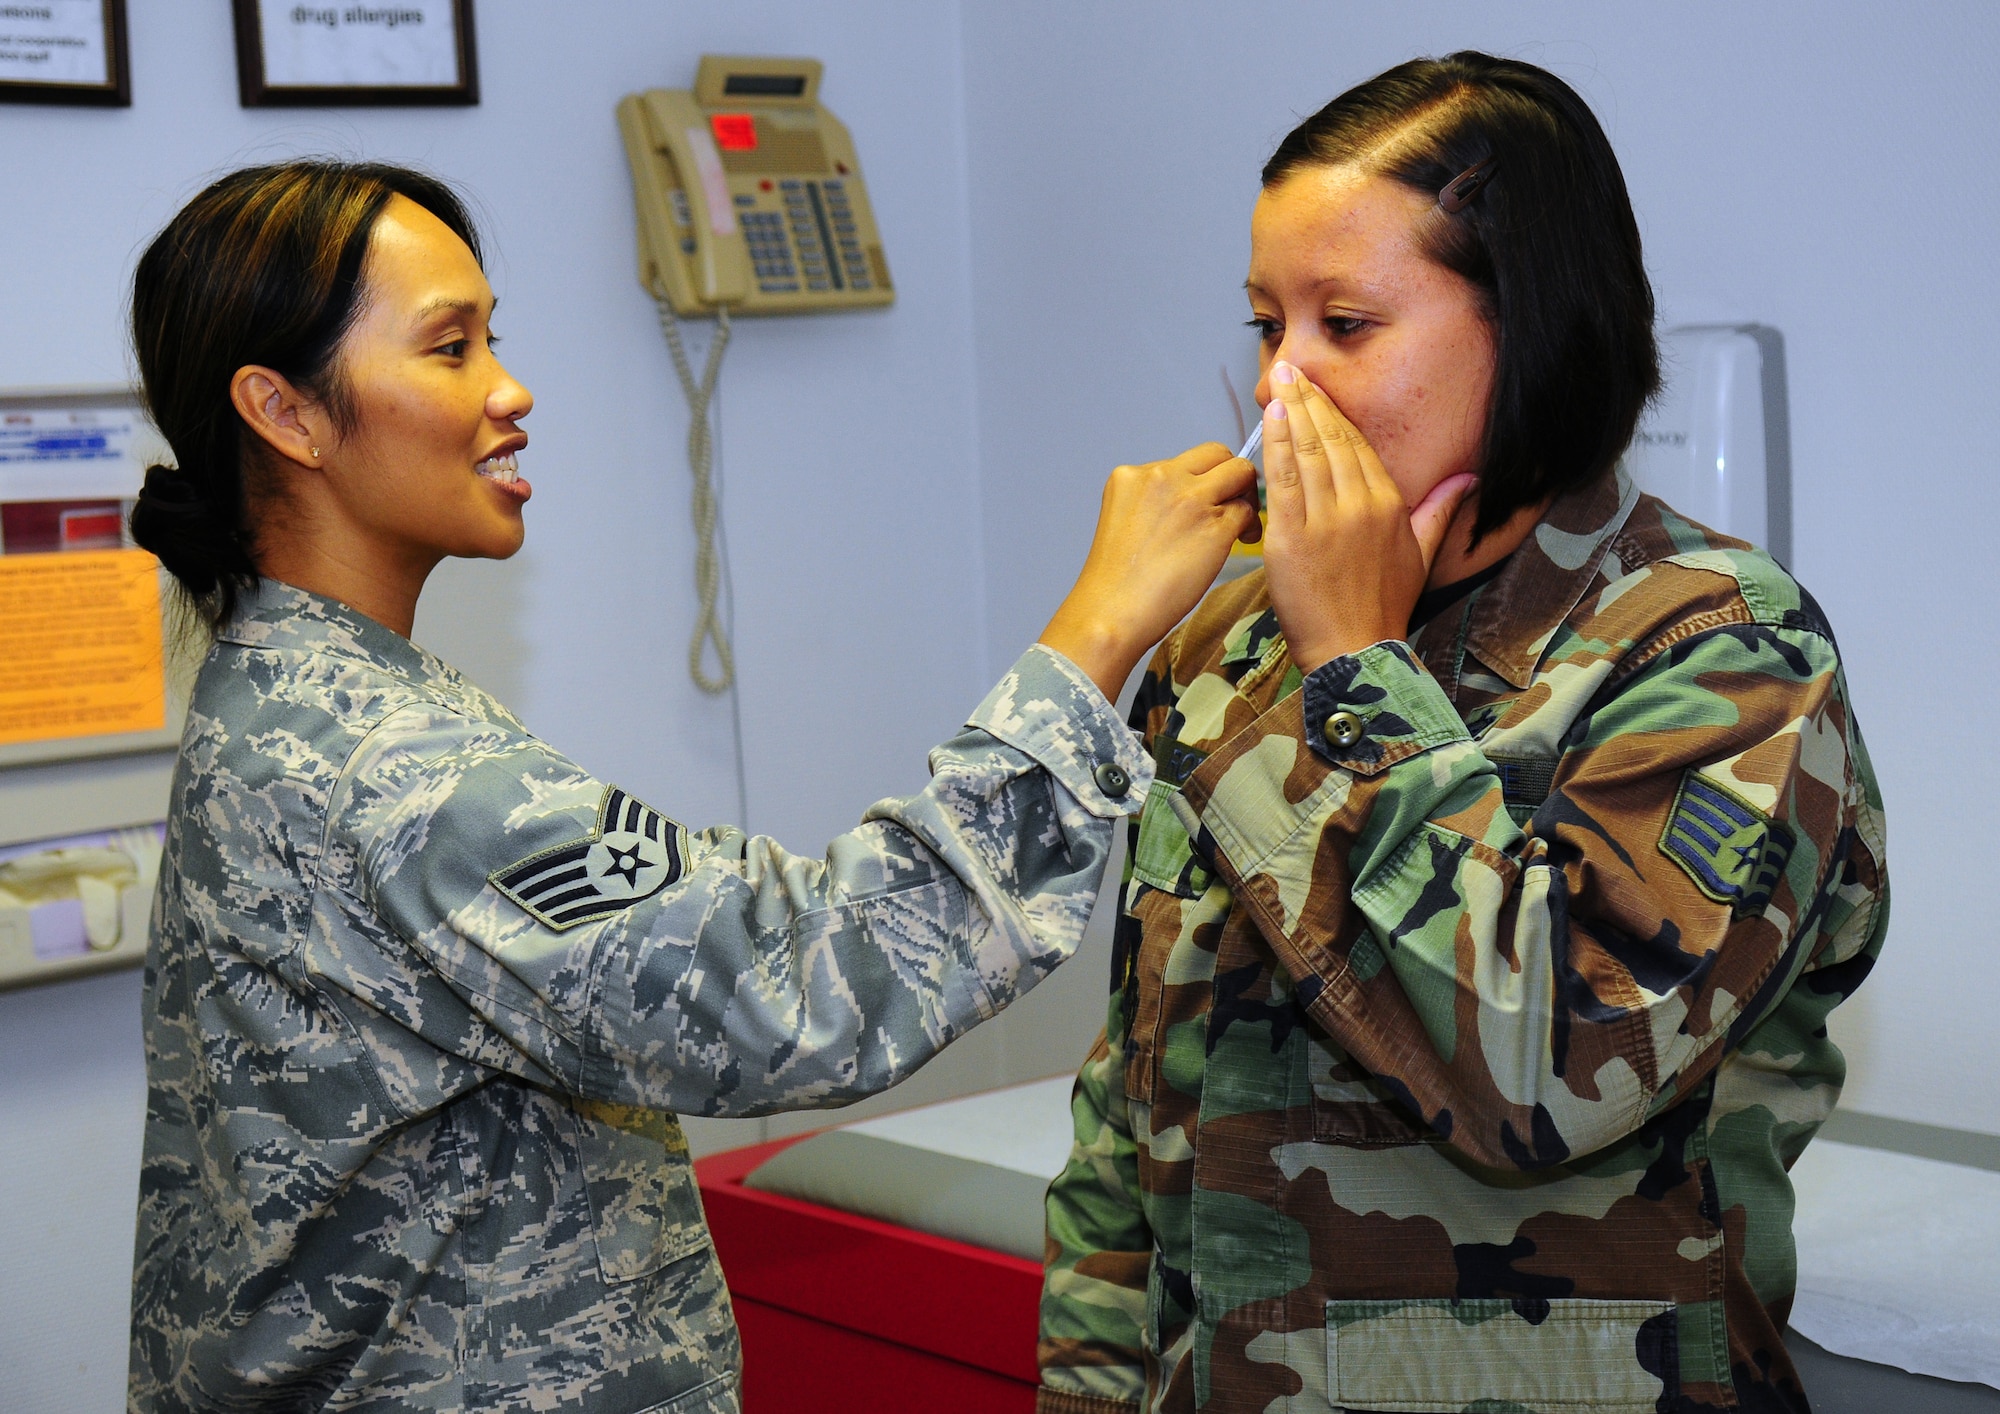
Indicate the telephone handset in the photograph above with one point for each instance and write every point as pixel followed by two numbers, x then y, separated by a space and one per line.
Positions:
pixel 749 194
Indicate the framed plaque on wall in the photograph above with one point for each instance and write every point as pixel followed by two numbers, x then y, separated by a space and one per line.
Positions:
pixel 64 51
pixel 293 54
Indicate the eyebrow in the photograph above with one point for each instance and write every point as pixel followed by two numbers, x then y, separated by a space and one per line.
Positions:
pixel 445 303
pixel 1339 283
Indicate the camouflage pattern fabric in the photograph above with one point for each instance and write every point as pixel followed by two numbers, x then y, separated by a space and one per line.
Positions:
pixel 423 998
pixel 1460 1067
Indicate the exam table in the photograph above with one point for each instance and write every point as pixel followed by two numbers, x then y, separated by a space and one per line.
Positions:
pixel 895 1264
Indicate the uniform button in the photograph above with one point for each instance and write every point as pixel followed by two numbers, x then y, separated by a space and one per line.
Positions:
pixel 1343 729
pixel 1112 780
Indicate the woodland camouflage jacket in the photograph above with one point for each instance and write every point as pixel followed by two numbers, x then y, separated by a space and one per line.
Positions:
pixel 422 996
pixel 1460 1067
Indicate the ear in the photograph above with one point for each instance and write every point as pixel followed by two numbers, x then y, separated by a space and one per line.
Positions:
pixel 288 422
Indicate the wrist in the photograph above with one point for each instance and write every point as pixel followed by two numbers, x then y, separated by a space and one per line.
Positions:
pixel 1102 650
pixel 1317 653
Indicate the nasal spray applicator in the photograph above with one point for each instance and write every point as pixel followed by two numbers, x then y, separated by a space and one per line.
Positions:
pixel 1244 558
pixel 1252 445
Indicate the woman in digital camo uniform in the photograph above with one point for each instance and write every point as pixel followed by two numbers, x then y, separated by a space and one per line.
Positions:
pixel 423 994
pixel 1505 856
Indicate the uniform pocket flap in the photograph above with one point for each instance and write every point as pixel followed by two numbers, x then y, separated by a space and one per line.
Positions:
pixel 644 1207
pixel 1428 1356
pixel 1163 856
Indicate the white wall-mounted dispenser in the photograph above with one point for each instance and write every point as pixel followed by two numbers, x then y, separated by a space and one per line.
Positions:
pixel 1716 443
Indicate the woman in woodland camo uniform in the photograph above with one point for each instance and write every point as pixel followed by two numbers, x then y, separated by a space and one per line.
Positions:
pixel 1512 838
pixel 423 995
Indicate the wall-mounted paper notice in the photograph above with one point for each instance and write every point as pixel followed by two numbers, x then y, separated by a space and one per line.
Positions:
pixel 53 41
pixel 68 453
pixel 81 648
pixel 408 44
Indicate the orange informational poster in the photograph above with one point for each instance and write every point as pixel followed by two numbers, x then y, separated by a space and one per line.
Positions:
pixel 81 652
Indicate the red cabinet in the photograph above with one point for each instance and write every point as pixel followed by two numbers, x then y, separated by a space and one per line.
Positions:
pixel 841 1312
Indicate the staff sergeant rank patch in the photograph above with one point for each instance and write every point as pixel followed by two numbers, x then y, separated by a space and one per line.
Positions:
pixel 633 852
pixel 1732 851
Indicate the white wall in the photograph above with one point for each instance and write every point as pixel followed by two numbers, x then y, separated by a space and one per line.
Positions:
pixel 1064 191
pixel 1819 168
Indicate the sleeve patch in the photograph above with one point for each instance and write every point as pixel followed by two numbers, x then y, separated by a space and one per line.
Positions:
pixel 1734 852
pixel 632 853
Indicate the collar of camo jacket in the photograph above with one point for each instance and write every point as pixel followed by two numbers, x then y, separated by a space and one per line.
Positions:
pixel 1513 620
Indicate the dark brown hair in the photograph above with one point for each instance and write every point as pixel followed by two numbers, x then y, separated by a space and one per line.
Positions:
pixel 1548 240
pixel 263 267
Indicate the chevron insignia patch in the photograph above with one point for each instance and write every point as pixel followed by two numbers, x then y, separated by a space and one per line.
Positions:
pixel 1733 852
pixel 633 852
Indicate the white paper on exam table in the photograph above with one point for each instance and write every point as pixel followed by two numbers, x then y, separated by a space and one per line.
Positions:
pixel 1025 1128
pixel 972 1169
pixel 1899 1260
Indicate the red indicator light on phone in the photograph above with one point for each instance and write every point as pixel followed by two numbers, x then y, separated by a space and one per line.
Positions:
pixel 734 132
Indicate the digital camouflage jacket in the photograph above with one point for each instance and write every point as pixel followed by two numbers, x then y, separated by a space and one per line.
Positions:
pixel 1469 998
pixel 423 995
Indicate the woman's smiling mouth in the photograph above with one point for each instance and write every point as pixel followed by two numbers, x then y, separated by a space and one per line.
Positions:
pixel 504 471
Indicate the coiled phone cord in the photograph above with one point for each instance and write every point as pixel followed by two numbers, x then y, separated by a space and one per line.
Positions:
pixel 708 627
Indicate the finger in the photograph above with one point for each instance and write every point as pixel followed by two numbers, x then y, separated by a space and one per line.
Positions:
pixel 1309 450
pixel 1371 465
pixel 1432 518
pixel 1250 526
pixel 1237 520
pixel 1348 452
pixel 1230 481
pixel 1285 500
pixel 1202 459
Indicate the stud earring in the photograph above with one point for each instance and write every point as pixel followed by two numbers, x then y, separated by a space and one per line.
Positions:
pixel 315 453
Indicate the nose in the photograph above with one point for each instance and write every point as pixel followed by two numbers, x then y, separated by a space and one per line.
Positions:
pixel 509 400
pixel 1266 356
pixel 1297 349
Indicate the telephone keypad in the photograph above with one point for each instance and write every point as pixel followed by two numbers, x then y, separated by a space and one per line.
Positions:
pixel 804 237
pixel 846 233
pixel 770 253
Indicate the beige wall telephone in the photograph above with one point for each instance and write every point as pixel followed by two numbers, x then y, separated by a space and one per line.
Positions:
pixel 750 201
pixel 749 194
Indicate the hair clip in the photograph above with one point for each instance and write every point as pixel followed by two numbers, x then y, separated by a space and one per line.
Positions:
pixel 1457 194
